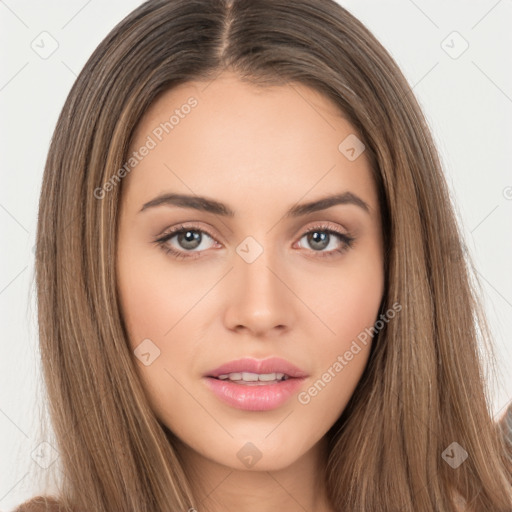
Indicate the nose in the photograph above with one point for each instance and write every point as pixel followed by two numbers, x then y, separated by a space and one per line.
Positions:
pixel 259 300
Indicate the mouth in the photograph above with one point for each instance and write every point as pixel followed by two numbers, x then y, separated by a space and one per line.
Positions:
pixel 255 385
pixel 248 370
pixel 253 379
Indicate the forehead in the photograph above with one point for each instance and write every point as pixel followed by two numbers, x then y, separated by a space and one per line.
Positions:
pixel 209 136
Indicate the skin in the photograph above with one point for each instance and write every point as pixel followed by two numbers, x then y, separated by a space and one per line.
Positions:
pixel 260 151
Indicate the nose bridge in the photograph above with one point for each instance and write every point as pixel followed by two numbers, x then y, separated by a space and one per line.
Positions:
pixel 259 298
pixel 253 270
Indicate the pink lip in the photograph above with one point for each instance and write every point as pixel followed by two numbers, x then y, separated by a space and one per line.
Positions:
pixel 270 365
pixel 257 397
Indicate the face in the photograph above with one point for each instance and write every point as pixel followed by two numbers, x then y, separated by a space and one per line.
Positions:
pixel 226 252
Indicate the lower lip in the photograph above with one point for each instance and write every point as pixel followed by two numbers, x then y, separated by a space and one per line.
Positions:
pixel 254 398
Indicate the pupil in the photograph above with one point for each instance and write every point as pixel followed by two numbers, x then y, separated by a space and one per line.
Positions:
pixel 189 239
pixel 318 238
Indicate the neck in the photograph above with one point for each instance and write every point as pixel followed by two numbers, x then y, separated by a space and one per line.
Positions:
pixel 297 487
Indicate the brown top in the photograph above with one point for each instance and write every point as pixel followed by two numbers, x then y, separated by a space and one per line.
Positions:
pixel 40 504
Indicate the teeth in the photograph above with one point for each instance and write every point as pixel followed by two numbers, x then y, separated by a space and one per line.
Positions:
pixel 268 376
pixel 231 376
pixel 253 377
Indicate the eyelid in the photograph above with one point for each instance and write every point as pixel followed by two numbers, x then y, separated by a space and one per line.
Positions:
pixel 343 235
pixel 191 225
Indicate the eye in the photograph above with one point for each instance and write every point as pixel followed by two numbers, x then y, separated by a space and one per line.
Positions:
pixel 321 237
pixel 189 241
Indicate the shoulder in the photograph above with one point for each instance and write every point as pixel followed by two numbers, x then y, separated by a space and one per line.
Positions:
pixel 40 504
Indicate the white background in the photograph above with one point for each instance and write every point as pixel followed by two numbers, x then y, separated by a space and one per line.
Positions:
pixel 467 101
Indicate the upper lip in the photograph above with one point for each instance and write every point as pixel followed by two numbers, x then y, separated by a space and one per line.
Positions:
pixel 270 365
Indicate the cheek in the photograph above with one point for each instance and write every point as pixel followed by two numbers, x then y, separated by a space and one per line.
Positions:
pixel 348 307
pixel 155 297
pixel 346 300
pixel 340 361
pixel 154 307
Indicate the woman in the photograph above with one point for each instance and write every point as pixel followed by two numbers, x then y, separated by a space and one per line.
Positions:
pixel 251 285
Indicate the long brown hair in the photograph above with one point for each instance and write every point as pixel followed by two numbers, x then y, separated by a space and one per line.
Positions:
pixel 423 388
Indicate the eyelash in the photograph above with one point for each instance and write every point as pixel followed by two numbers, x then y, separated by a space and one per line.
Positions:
pixel 162 241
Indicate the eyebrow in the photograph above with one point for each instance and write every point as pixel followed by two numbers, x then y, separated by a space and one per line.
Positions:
pixel 211 206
